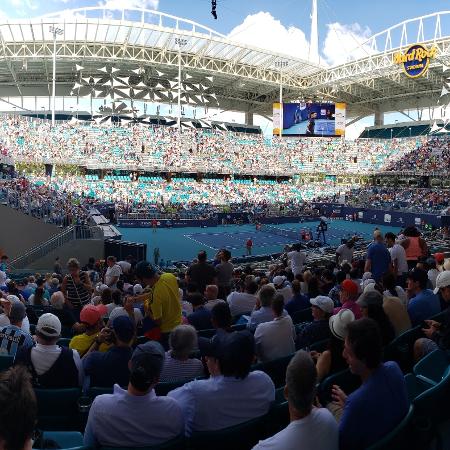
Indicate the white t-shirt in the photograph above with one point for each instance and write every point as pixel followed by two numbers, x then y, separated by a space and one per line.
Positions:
pixel 297 261
pixel 31 301
pixel 4 321
pixel 286 292
pixel 432 275
pixel 398 253
pixel 111 272
pixel 125 266
pixel 275 339
pixel 317 431
pixel 44 356
pixel 211 303
pixel 401 294
pixel 241 302
pixel 345 253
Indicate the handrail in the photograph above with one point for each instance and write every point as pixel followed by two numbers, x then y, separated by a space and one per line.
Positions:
pixel 70 233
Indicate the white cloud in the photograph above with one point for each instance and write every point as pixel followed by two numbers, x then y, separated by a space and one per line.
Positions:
pixel 264 31
pixel 124 4
pixel 343 43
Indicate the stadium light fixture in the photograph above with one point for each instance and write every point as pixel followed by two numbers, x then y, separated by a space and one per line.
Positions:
pixel 281 64
pixel 56 31
pixel 181 42
pixel 214 8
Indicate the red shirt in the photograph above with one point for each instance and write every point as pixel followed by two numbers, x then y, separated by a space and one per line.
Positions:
pixel 249 243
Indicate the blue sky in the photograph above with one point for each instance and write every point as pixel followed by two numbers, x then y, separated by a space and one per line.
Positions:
pixel 279 25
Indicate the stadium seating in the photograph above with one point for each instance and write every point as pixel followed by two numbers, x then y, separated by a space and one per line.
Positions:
pixel 401 349
pixel 347 381
pixel 401 437
pixel 58 409
pixel 433 368
pixel 276 369
pixel 6 361
pixel 173 444
pixel 240 437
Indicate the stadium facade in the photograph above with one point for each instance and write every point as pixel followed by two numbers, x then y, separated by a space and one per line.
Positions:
pixel 147 49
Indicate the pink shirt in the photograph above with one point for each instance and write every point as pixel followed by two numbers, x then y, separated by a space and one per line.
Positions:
pixel 352 306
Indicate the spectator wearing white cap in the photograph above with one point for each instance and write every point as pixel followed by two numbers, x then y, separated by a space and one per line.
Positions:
pixel 50 365
pixel 319 329
pixel 4 319
pixel 437 333
pixel 276 338
pixel 282 287
pixel 331 360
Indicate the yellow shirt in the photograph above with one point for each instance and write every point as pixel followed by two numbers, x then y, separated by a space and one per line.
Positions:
pixel 164 301
pixel 82 342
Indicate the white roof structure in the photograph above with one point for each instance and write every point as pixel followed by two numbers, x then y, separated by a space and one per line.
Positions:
pixel 134 53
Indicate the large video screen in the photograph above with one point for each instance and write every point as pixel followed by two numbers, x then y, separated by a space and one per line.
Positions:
pixel 309 119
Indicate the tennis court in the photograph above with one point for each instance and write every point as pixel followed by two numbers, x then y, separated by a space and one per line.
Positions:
pixel 184 243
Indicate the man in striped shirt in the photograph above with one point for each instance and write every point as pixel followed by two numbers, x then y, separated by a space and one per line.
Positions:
pixel 11 336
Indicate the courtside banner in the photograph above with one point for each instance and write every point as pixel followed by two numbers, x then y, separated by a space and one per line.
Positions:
pixel 276 118
pixel 340 119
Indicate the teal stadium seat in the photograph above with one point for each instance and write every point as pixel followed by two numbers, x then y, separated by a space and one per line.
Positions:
pixel 174 444
pixel 433 368
pixel 347 381
pixel 239 437
pixel 276 369
pixel 305 315
pixel 400 438
pixel 6 361
pixel 72 440
pixel 58 409
pixel 401 349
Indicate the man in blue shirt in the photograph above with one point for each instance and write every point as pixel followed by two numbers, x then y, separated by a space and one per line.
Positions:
pixel 233 394
pixel 423 302
pixel 200 319
pixel 11 336
pixel 263 309
pixel 380 404
pixel 135 417
pixel 298 301
pixel 378 257
pixel 108 368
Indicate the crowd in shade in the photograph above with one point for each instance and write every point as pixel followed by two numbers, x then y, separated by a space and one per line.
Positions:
pixel 67 200
pixel 213 329
pixel 154 148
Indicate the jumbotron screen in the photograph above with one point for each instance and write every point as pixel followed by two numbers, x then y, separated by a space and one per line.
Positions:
pixel 309 119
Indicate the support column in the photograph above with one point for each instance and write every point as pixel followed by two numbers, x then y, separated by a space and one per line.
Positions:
pixel 379 119
pixel 248 118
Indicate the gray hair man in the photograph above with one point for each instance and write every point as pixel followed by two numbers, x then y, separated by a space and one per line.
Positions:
pixel 177 364
pixel 313 427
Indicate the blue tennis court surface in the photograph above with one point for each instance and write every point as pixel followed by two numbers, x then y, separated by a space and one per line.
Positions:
pixel 184 243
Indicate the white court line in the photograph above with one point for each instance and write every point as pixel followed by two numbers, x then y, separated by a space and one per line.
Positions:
pixel 199 242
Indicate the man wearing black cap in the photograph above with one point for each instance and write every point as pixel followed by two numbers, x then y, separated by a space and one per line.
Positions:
pixel 108 368
pixel 233 394
pixel 135 417
pixel 161 298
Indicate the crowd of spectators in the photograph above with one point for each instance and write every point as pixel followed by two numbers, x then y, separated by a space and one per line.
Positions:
pixel 131 328
pixel 156 148
pixel 67 200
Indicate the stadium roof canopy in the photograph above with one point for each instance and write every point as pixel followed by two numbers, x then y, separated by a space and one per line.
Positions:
pixel 145 46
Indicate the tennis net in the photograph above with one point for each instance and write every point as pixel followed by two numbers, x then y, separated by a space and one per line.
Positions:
pixel 293 235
